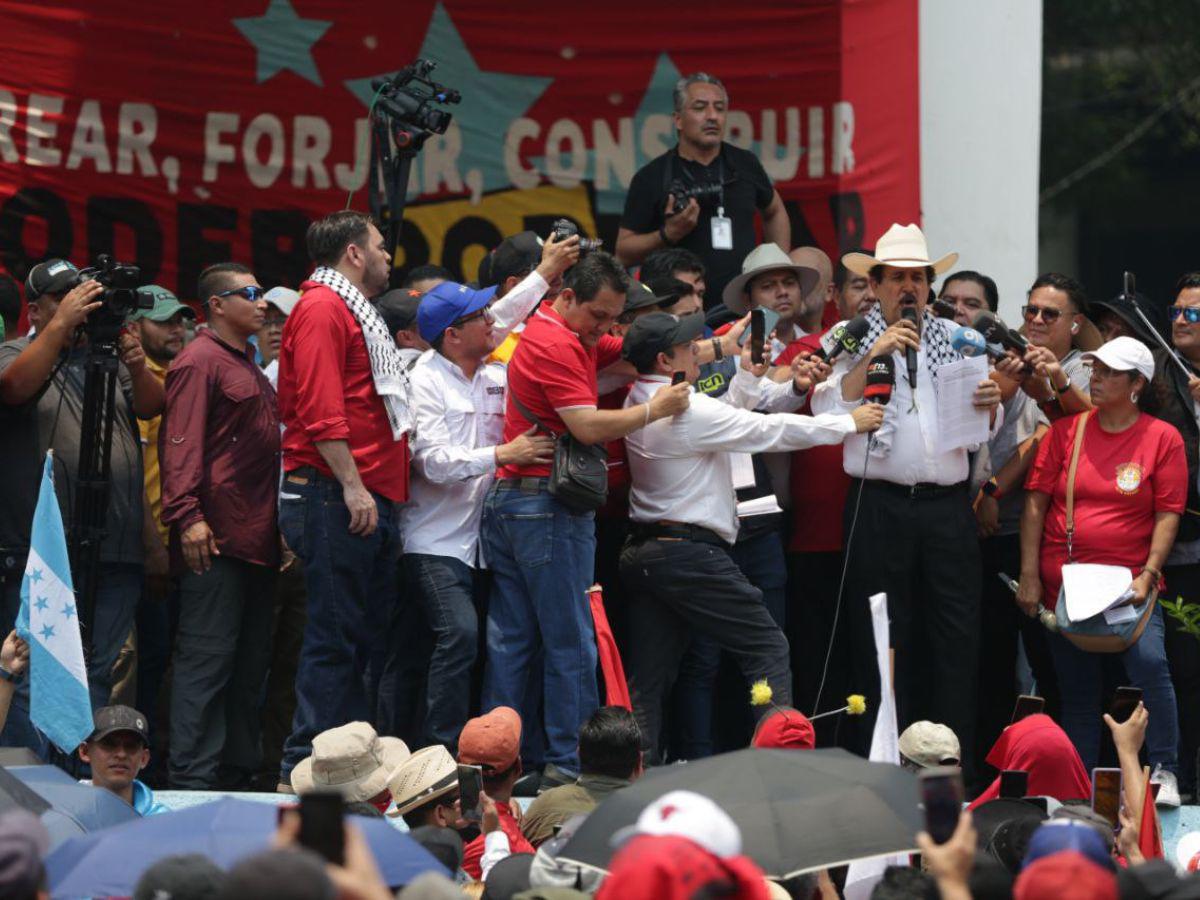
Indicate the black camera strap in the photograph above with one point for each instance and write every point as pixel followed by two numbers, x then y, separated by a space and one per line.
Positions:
pixel 686 175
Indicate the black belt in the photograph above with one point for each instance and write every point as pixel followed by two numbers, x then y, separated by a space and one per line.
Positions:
pixel 646 531
pixel 524 485
pixel 922 490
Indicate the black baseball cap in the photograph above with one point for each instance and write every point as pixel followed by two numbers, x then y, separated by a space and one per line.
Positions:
pixel 515 255
pixel 399 309
pixel 54 276
pixel 657 333
pixel 111 719
pixel 639 296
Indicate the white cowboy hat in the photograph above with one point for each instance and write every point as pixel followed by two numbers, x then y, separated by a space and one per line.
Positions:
pixel 351 760
pixel 428 773
pixel 902 246
pixel 765 258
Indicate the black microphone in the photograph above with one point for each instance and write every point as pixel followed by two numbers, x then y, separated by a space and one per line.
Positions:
pixel 996 332
pixel 847 337
pixel 881 379
pixel 910 353
pixel 943 309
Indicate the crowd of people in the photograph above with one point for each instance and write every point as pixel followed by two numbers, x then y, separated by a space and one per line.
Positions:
pixel 347 519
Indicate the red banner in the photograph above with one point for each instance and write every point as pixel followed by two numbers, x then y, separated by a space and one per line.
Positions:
pixel 182 134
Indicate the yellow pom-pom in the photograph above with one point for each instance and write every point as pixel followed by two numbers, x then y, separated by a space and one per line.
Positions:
pixel 856 705
pixel 760 693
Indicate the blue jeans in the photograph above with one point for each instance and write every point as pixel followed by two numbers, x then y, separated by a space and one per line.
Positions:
pixel 1079 681
pixel 352 584
pixel 444 586
pixel 541 554
pixel 761 560
pixel 118 589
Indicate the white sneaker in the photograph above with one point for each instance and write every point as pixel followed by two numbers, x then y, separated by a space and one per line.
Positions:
pixel 1168 787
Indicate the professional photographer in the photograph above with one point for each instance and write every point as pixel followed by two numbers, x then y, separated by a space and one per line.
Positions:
pixel 702 194
pixel 41 408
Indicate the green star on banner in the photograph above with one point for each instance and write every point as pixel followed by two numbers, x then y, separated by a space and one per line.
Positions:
pixel 283 40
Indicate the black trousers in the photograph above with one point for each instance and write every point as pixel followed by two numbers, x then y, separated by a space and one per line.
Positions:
pixel 923 552
pixel 1183 656
pixel 812 602
pixel 677 588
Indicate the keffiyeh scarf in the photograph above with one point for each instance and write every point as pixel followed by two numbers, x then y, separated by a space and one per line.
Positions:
pixel 387 365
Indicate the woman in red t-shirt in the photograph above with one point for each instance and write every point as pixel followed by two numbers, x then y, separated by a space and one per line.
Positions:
pixel 1130 489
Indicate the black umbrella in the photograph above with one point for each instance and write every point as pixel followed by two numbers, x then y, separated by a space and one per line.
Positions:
pixel 798 810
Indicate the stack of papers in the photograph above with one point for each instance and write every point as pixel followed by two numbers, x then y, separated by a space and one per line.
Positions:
pixel 1090 589
pixel 759 506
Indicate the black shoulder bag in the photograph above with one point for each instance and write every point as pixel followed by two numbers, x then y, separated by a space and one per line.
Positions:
pixel 579 473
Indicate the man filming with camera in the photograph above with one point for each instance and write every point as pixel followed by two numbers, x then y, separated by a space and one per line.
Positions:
pixel 41 408
pixel 703 193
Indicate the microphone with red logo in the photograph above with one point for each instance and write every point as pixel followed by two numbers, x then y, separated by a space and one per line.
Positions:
pixel 881 379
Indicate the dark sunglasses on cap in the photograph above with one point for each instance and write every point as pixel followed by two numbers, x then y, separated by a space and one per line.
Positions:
pixel 252 292
pixel 1191 314
pixel 1049 314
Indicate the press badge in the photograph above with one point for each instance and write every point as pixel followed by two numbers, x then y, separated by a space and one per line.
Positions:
pixel 722 231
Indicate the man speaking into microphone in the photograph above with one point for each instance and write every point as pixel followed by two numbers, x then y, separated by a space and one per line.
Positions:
pixel 909 528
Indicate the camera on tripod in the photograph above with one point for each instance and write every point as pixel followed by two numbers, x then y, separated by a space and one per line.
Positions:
pixel 682 193
pixel 120 298
pixel 565 228
pixel 407 95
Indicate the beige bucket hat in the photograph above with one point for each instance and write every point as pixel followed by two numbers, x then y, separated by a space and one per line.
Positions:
pixel 765 258
pixel 350 759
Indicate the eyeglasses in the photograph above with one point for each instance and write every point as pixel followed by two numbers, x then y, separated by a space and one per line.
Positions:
pixel 1191 314
pixel 485 313
pixel 251 292
pixel 1049 314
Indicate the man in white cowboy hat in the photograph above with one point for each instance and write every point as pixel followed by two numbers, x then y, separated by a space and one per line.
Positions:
pixel 353 761
pixel 914 536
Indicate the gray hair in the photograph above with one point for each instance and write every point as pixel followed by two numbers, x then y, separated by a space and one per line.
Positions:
pixel 680 93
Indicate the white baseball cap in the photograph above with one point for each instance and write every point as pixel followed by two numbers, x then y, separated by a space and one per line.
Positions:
pixel 1125 354
pixel 283 299
pixel 688 815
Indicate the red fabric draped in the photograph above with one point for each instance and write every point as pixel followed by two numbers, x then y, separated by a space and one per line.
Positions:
pixel 616 690
pixel 1038 746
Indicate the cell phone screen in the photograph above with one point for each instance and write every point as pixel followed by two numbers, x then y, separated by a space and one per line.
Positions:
pixel 678 378
pixel 1106 794
pixel 1125 701
pixel 758 335
pixel 470 784
pixel 942 796
pixel 321 828
pixel 1014 784
pixel 1027 705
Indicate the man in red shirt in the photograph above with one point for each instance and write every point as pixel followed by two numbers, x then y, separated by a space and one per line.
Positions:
pixel 219 459
pixel 542 552
pixel 343 397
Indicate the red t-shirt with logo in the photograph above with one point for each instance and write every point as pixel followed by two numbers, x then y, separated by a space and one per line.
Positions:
pixel 551 370
pixel 1122 481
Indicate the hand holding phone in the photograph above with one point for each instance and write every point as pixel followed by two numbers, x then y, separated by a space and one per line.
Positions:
pixel 942 797
pixel 1124 702
pixel 758 336
pixel 1106 795
pixel 322 829
pixel 678 378
pixel 470 786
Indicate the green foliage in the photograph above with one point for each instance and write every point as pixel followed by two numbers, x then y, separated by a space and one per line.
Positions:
pixel 1186 614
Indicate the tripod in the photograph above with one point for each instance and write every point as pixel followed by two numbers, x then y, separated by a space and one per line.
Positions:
pixel 392 155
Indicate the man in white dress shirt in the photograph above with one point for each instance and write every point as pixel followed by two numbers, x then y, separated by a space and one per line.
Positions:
pixel 913 534
pixel 683 522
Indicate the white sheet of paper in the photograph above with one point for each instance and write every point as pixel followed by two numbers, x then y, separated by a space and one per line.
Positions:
pixel 1091 588
pixel 742 466
pixel 1119 614
pixel 759 506
pixel 960 424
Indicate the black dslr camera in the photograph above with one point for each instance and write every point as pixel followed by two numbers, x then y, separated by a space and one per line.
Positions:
pixel 121 297
pixel 407 95
pixel 565 228
pixel 682 193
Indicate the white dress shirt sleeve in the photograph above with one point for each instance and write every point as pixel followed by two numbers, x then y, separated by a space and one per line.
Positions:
pixel 778 396
pixel 714 426
pixel 514 307
pixel 827 396
pixel 435 456
pixel 743 391
pixel 495 849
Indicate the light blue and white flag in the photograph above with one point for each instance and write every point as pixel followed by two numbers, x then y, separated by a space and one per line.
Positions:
pixel 59 705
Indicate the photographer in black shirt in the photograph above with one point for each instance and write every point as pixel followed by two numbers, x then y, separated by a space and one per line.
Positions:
pixel 722 185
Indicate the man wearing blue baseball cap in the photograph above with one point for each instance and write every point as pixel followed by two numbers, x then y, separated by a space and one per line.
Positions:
pixel 458 404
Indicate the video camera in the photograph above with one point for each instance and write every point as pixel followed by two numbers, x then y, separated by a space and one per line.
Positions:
pixel 121 297
pixel 683 192
pixel 565 228
pixel 406 97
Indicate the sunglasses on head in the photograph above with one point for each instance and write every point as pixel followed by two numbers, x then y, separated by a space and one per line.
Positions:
pixel 1049 314
pixel 252 292
pixel 1191 314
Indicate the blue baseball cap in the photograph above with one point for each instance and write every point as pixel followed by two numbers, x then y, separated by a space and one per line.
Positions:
pixel 445 304
pixel 1058 835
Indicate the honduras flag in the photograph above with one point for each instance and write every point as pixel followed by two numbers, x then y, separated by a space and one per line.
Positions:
pixel 59 705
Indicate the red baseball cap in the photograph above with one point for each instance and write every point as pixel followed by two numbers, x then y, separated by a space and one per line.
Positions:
pixel 785 729
pixel 491 741
pixel 1068 875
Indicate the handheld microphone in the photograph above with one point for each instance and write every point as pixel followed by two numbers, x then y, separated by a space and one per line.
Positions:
pixel 881 379
pixel 943 309
pixel 910 353
pixel 845 337
pixel 968 342
pixel 996 332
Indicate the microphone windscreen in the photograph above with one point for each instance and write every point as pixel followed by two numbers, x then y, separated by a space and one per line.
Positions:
pixel 968 342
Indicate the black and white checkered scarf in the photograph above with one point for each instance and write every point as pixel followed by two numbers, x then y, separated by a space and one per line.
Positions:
pixel 935 332
pixel 387 365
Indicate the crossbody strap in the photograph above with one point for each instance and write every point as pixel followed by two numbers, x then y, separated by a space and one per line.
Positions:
pixel 1080 425
pixel 529 416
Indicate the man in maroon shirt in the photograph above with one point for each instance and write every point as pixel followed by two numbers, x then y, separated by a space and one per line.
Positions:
pixel 219 458
pixel 343 399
